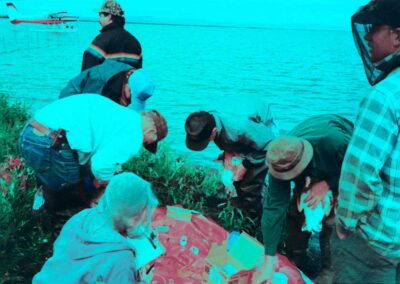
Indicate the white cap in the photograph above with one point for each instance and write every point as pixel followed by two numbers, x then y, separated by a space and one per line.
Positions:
pixel 142 88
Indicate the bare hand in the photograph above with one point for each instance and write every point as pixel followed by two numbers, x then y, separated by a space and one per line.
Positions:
pixel 265 269
pixel 146 273
pixel 317 194
pixel 234 162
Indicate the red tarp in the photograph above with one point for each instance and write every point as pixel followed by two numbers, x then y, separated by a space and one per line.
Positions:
pixel 187 245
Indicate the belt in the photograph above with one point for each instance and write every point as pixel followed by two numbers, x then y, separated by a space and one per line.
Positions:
pixel 58 137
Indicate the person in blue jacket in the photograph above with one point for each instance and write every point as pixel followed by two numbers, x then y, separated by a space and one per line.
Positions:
pixel 115 80
pixel 94 245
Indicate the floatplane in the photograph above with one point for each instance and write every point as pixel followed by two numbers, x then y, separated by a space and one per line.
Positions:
pixel 53 21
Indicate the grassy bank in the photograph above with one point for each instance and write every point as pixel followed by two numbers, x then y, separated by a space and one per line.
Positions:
pixel 26 240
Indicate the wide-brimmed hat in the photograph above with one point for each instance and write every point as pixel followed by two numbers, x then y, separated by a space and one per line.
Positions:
pixel 379 12
pixel 288 156
pixel 161 130
pixel 198 127
pixel 111 7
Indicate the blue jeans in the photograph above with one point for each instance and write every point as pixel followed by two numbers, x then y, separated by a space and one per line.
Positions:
pixel 57 167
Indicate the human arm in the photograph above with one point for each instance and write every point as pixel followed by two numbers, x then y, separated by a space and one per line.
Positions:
pixel 276 204
pixel 255 137
pixel 374 137
pixel 124 271
pixel 275 208
pixel 106 163
pixel 96 53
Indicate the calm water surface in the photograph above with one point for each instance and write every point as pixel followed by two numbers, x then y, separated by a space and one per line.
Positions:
pixel 300 73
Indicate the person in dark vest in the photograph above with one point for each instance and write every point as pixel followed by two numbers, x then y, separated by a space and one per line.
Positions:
pixel 113 42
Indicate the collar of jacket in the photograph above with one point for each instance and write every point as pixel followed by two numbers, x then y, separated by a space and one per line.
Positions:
pixel 110 27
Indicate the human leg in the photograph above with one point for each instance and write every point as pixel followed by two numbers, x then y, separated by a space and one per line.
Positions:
pixel 325 276
pixel 354 261
pixel 297 240
pixel 55 168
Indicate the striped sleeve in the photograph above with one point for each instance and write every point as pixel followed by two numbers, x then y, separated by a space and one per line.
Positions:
pixel 372 142
pixel 96 51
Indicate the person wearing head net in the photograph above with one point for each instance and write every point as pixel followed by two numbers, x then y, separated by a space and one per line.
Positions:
pixel 93 246
pixel 367 244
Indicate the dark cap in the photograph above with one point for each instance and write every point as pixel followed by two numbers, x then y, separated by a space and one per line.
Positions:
pixel 161 130
pixel 379 12
pixel 198 127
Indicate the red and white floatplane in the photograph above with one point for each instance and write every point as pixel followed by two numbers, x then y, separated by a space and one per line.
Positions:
pixel 58 21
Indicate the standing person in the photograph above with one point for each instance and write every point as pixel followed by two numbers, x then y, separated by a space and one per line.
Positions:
pixel 93 246
pixel 113 42
pixel 311 157
pixel 247 136
pixel 85 131
pixel 115 80
pixel 367 245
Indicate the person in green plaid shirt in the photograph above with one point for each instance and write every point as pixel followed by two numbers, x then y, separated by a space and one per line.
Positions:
pixel 367 246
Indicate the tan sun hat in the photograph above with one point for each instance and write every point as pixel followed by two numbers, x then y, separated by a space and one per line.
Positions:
pixel 288 156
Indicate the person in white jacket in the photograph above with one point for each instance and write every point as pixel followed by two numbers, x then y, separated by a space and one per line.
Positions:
pixel 93 246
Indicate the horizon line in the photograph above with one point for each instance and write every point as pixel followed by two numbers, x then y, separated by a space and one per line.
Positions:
pixel 216 26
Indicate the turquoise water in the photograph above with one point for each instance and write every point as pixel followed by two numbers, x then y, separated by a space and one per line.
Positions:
pixel 299 72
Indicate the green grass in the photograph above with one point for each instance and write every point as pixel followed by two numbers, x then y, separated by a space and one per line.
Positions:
pixel 26 240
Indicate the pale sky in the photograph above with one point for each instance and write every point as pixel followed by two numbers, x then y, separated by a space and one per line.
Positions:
pixel 314 14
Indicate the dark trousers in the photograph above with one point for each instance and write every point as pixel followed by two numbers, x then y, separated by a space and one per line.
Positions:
pixel 249 191
pixel 297 240
pixel 354 261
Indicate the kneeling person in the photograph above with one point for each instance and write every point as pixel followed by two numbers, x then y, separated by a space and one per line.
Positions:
pixel 115 80
pixel 93 247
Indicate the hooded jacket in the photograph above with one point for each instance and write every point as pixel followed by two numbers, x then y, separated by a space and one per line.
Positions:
pixel 94 79
pixel 89 250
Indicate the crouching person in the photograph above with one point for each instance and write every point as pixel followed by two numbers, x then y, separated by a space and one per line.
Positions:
pixel 115 80
pixel 87 131
pixel 311 157
pixel 93 246
pixel 244 137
